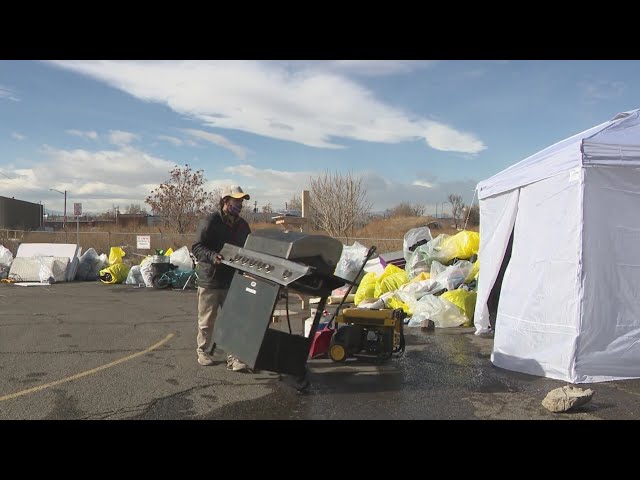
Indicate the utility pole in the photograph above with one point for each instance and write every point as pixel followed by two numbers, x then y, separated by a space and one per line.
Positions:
pixel 64 221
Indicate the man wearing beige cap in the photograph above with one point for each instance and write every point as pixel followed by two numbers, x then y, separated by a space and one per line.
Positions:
pixel 214 278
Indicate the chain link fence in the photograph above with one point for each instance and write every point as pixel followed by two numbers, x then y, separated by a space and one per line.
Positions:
pixel 100 241
pixel 382 244
pixel 103 241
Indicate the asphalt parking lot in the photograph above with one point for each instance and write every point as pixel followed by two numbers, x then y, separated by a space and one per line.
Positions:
pixel 85 350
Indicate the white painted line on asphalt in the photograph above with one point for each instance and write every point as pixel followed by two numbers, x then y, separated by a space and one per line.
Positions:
pixel 88 372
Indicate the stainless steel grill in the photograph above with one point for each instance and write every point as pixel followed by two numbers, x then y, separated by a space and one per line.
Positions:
pixel 297 260
pixel 272 260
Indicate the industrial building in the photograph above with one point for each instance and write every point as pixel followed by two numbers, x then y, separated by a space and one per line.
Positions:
pixel 19 214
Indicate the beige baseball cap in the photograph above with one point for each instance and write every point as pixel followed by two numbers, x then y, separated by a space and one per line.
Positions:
pixel 234 191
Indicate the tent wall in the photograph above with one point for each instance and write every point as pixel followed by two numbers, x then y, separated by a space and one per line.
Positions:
pixel 537 320
pixel 497 216
pixel 609 344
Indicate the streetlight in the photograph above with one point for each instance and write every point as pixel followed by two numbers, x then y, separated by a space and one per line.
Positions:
pixel 64 222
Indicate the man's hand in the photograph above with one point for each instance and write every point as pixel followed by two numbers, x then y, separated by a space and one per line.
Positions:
pixel 217 260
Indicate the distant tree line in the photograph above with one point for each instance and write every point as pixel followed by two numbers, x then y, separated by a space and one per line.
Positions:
pixel 339 203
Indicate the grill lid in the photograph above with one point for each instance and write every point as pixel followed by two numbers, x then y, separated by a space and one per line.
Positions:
pixel 319 251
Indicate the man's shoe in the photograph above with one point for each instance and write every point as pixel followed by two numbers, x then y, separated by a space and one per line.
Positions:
pixel 205 359
pixel 238 366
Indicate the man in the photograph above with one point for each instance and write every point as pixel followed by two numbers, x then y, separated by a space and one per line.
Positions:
pixel 214 278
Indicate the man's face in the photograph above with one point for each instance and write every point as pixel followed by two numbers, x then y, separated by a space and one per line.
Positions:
pixel 234 205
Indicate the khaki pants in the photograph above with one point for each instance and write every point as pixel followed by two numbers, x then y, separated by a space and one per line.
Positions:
pixel 209 303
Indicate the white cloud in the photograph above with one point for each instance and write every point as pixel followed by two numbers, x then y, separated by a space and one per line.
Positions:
pixel 10 174
pixel 445 138
pixel 282 100
pixel 97 179
pixel 372 67
pixel 7 94
pixel 386 194
pixel 87 134
pixel 219 140
pixel 18 136
pixel 475 72
pixel 100 179
pixel 277 187
pixel 175 141
pixel 267 185
pixel 603 89
pixel 422 183
pixel 120 138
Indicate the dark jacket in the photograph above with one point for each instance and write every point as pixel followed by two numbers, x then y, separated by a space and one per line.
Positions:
pixel 213 233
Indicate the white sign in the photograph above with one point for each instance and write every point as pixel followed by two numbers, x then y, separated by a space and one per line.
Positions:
pixel 77 209
pixel 143 241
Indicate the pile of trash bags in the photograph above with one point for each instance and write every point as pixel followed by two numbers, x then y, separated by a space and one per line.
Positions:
pixel 438 282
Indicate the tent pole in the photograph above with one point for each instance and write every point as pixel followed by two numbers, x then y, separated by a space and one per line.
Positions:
pixel 469 209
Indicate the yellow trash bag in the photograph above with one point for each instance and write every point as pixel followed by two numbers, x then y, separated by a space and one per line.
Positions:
pixel 465 301
pixel 395 302
pixel 422 276
pixel 116 273
pixel 462 245
pixel 168 252
pixel 391 279
pixel 115 255
pixel 473 274
pixel 366 288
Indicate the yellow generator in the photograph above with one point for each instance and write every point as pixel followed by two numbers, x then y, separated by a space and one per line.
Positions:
pixel 368 334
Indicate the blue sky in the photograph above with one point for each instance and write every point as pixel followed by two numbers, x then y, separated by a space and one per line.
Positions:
pixel 110 131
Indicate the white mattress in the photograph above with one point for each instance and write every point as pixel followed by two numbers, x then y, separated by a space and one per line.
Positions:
pixel 27 269
pixel 69 250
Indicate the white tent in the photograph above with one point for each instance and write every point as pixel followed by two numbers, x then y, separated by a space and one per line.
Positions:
pixel 570 301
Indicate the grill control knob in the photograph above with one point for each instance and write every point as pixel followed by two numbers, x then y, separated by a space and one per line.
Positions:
pixel 268 268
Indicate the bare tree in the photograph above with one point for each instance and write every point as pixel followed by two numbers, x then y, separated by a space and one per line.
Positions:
pixel 135 208
pixel 295 203
pixel 457 207
pixel 474 215
pixel 181 200
pixel 406 209
pixel 338 202
pixel 267 211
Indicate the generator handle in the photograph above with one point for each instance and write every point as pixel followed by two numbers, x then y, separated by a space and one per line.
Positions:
pixel 367 257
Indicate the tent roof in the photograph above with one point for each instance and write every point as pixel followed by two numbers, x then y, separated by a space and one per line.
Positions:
pixel 616 142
